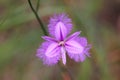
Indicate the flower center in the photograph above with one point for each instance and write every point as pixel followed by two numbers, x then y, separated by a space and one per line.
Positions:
pixel 61 43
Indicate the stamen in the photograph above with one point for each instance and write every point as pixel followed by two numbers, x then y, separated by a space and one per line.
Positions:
pixel 63 53
pixel 61 43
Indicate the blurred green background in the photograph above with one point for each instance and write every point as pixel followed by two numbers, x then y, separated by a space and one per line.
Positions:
pixel 20 36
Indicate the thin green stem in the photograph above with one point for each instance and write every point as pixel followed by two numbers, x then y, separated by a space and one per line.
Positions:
pixel 37 16
pixel 38 4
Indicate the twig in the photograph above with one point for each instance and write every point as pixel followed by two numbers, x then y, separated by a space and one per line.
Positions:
pixel 39 20
pixel 37 7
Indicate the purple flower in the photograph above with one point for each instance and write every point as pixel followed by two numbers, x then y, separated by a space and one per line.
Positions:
pixel 56 48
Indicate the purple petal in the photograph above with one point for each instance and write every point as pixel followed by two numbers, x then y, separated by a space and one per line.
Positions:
pixel 77 57
pixel 47 38
pixel 63 18
pixel 52 49
pixel 73 36
pixel 82 41
pixel 47 60
pixel 80 57
pixel 60 31
pixel 63 53
pixel 74 47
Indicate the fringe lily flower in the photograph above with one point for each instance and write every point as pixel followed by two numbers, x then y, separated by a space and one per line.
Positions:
pixel 59 45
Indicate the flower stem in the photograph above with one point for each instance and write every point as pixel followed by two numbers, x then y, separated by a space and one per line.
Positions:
pixel 37 7
pixel 66 74
pixel 37 17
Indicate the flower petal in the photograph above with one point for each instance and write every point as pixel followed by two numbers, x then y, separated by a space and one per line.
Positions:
pixel 52 49
pixel 63 53
pixel 47 38
pixel 60 31
pixel 81 56
pixel 59 18
pixel 82 41
pixel 77 57
pixel 47 60
pixel 74 47
pixel 73 36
